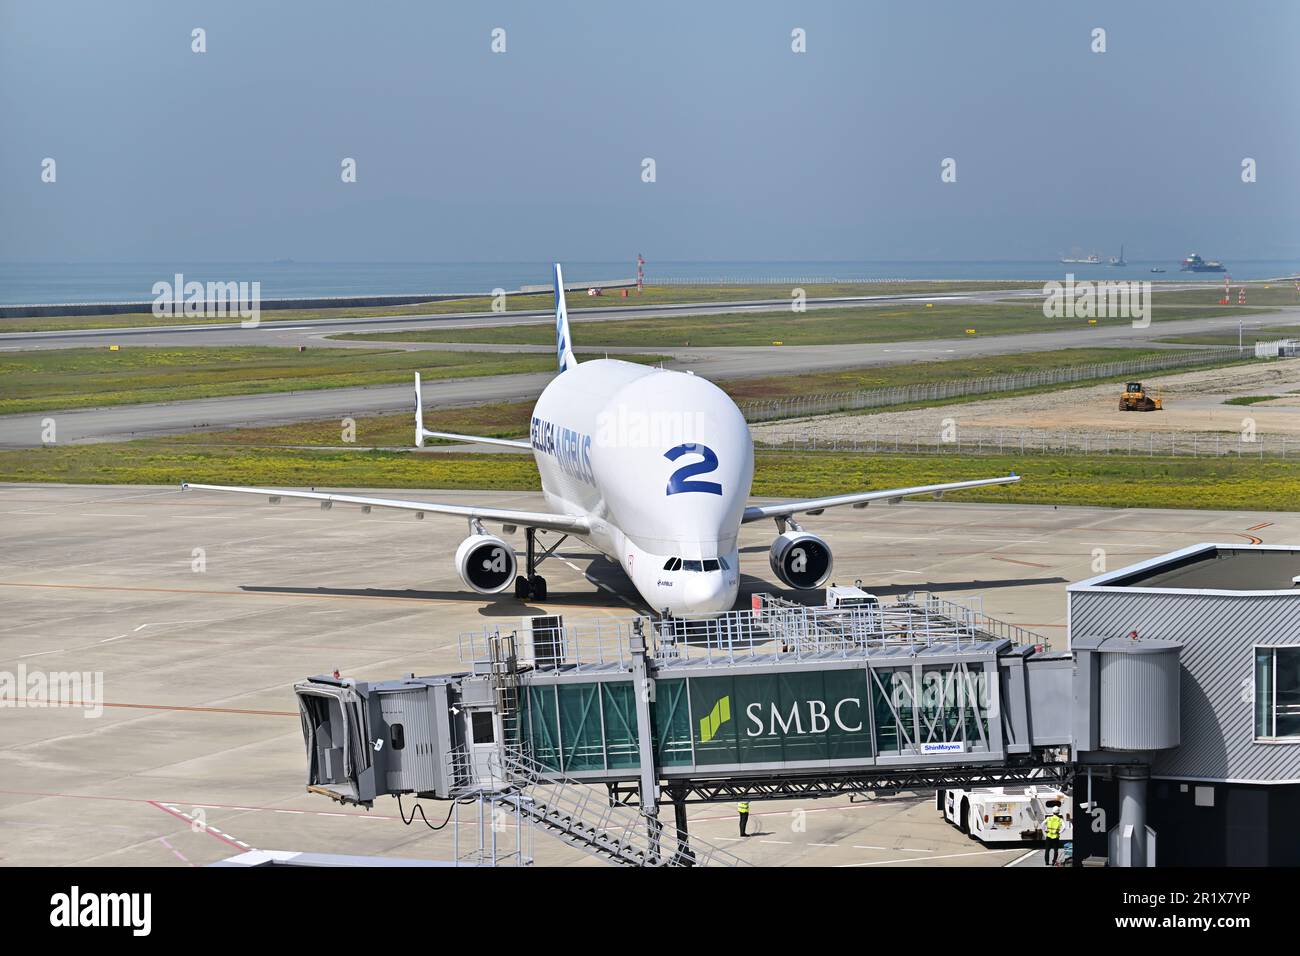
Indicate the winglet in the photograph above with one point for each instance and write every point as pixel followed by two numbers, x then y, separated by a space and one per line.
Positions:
pixel 563 341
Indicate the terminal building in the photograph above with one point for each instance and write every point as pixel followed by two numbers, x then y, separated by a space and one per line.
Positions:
pixel 1229 793
pixel 1175 711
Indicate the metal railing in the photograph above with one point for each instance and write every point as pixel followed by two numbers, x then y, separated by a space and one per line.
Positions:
pixel 779 630
pixel 489 835
pixel 974 617
pixel 805 405
pixel 597 643
pixel 581 815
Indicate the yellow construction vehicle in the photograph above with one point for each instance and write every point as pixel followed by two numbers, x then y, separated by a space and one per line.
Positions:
pixel 1136 399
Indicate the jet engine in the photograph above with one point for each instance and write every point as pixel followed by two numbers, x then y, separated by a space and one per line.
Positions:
pixel 801 560
pixel 486 563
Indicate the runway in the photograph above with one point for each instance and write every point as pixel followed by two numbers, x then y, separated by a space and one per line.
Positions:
pixel 123 422
pixel 282 332
pixel 200 612
pixel 234 333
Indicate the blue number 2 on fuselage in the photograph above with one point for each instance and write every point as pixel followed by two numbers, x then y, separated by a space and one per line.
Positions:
pixel 677 481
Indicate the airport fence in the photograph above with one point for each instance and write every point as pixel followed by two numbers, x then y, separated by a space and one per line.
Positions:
pixel 1134 444
pixel 801 406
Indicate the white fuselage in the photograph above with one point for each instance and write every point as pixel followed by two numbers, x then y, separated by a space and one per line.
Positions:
pixel 661 463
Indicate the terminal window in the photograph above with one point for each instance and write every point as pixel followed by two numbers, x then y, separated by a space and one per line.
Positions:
pixel 1277 692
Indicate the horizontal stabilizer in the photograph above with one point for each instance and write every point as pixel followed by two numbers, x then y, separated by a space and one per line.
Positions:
pixel 421 433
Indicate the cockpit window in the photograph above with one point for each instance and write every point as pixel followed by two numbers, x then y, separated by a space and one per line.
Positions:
pixel 678 564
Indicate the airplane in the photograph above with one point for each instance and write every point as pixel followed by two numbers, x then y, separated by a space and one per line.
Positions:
pixel 651 467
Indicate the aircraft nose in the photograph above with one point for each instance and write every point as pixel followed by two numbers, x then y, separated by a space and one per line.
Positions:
pixel 709 593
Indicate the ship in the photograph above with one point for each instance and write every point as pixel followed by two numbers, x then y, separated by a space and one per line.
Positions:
pixel 1194 263
pixel 1091 260
pixel 1119 259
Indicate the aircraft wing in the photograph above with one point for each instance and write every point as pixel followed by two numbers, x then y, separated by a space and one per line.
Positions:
pixel 863 498
pixel 526 519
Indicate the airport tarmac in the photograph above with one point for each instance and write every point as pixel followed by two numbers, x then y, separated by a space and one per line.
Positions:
pixel 201 611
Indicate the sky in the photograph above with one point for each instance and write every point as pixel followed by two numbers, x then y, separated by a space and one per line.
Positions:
pixel 465 154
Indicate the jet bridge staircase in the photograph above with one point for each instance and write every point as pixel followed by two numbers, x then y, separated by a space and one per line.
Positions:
pixel 581 816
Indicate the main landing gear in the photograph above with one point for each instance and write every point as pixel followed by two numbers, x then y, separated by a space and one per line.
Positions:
pixel 533 585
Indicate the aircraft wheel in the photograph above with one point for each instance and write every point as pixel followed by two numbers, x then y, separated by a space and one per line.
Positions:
pixel 521 588
pixel 539 587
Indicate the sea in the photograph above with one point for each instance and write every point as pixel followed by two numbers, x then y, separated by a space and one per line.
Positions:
pixel 57 283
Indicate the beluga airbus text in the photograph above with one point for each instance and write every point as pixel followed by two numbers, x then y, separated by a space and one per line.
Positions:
pixel 650 466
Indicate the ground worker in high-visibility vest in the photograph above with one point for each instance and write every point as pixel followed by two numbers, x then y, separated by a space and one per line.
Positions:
pixel 743 807
pixel 1052 830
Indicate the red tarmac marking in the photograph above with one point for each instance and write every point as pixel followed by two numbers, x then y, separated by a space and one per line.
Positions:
pixel 210 831
pixel 1028 564
pixel 175 707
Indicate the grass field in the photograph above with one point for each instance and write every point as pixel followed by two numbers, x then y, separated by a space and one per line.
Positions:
pixel 1268 485
pixel 1249 399
pixel 651 295
pixel 1249 335
pixel 78 378
pixel 510 419
pixel 884 376
pixel 1260 294
pixel 496 420
pixel 854 324
pixel 1265 294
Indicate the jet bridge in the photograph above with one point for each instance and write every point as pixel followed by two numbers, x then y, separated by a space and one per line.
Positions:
pixel 779 700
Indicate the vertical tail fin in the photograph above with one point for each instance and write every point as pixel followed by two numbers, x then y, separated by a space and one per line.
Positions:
pixel 563 341
pixel 419 414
